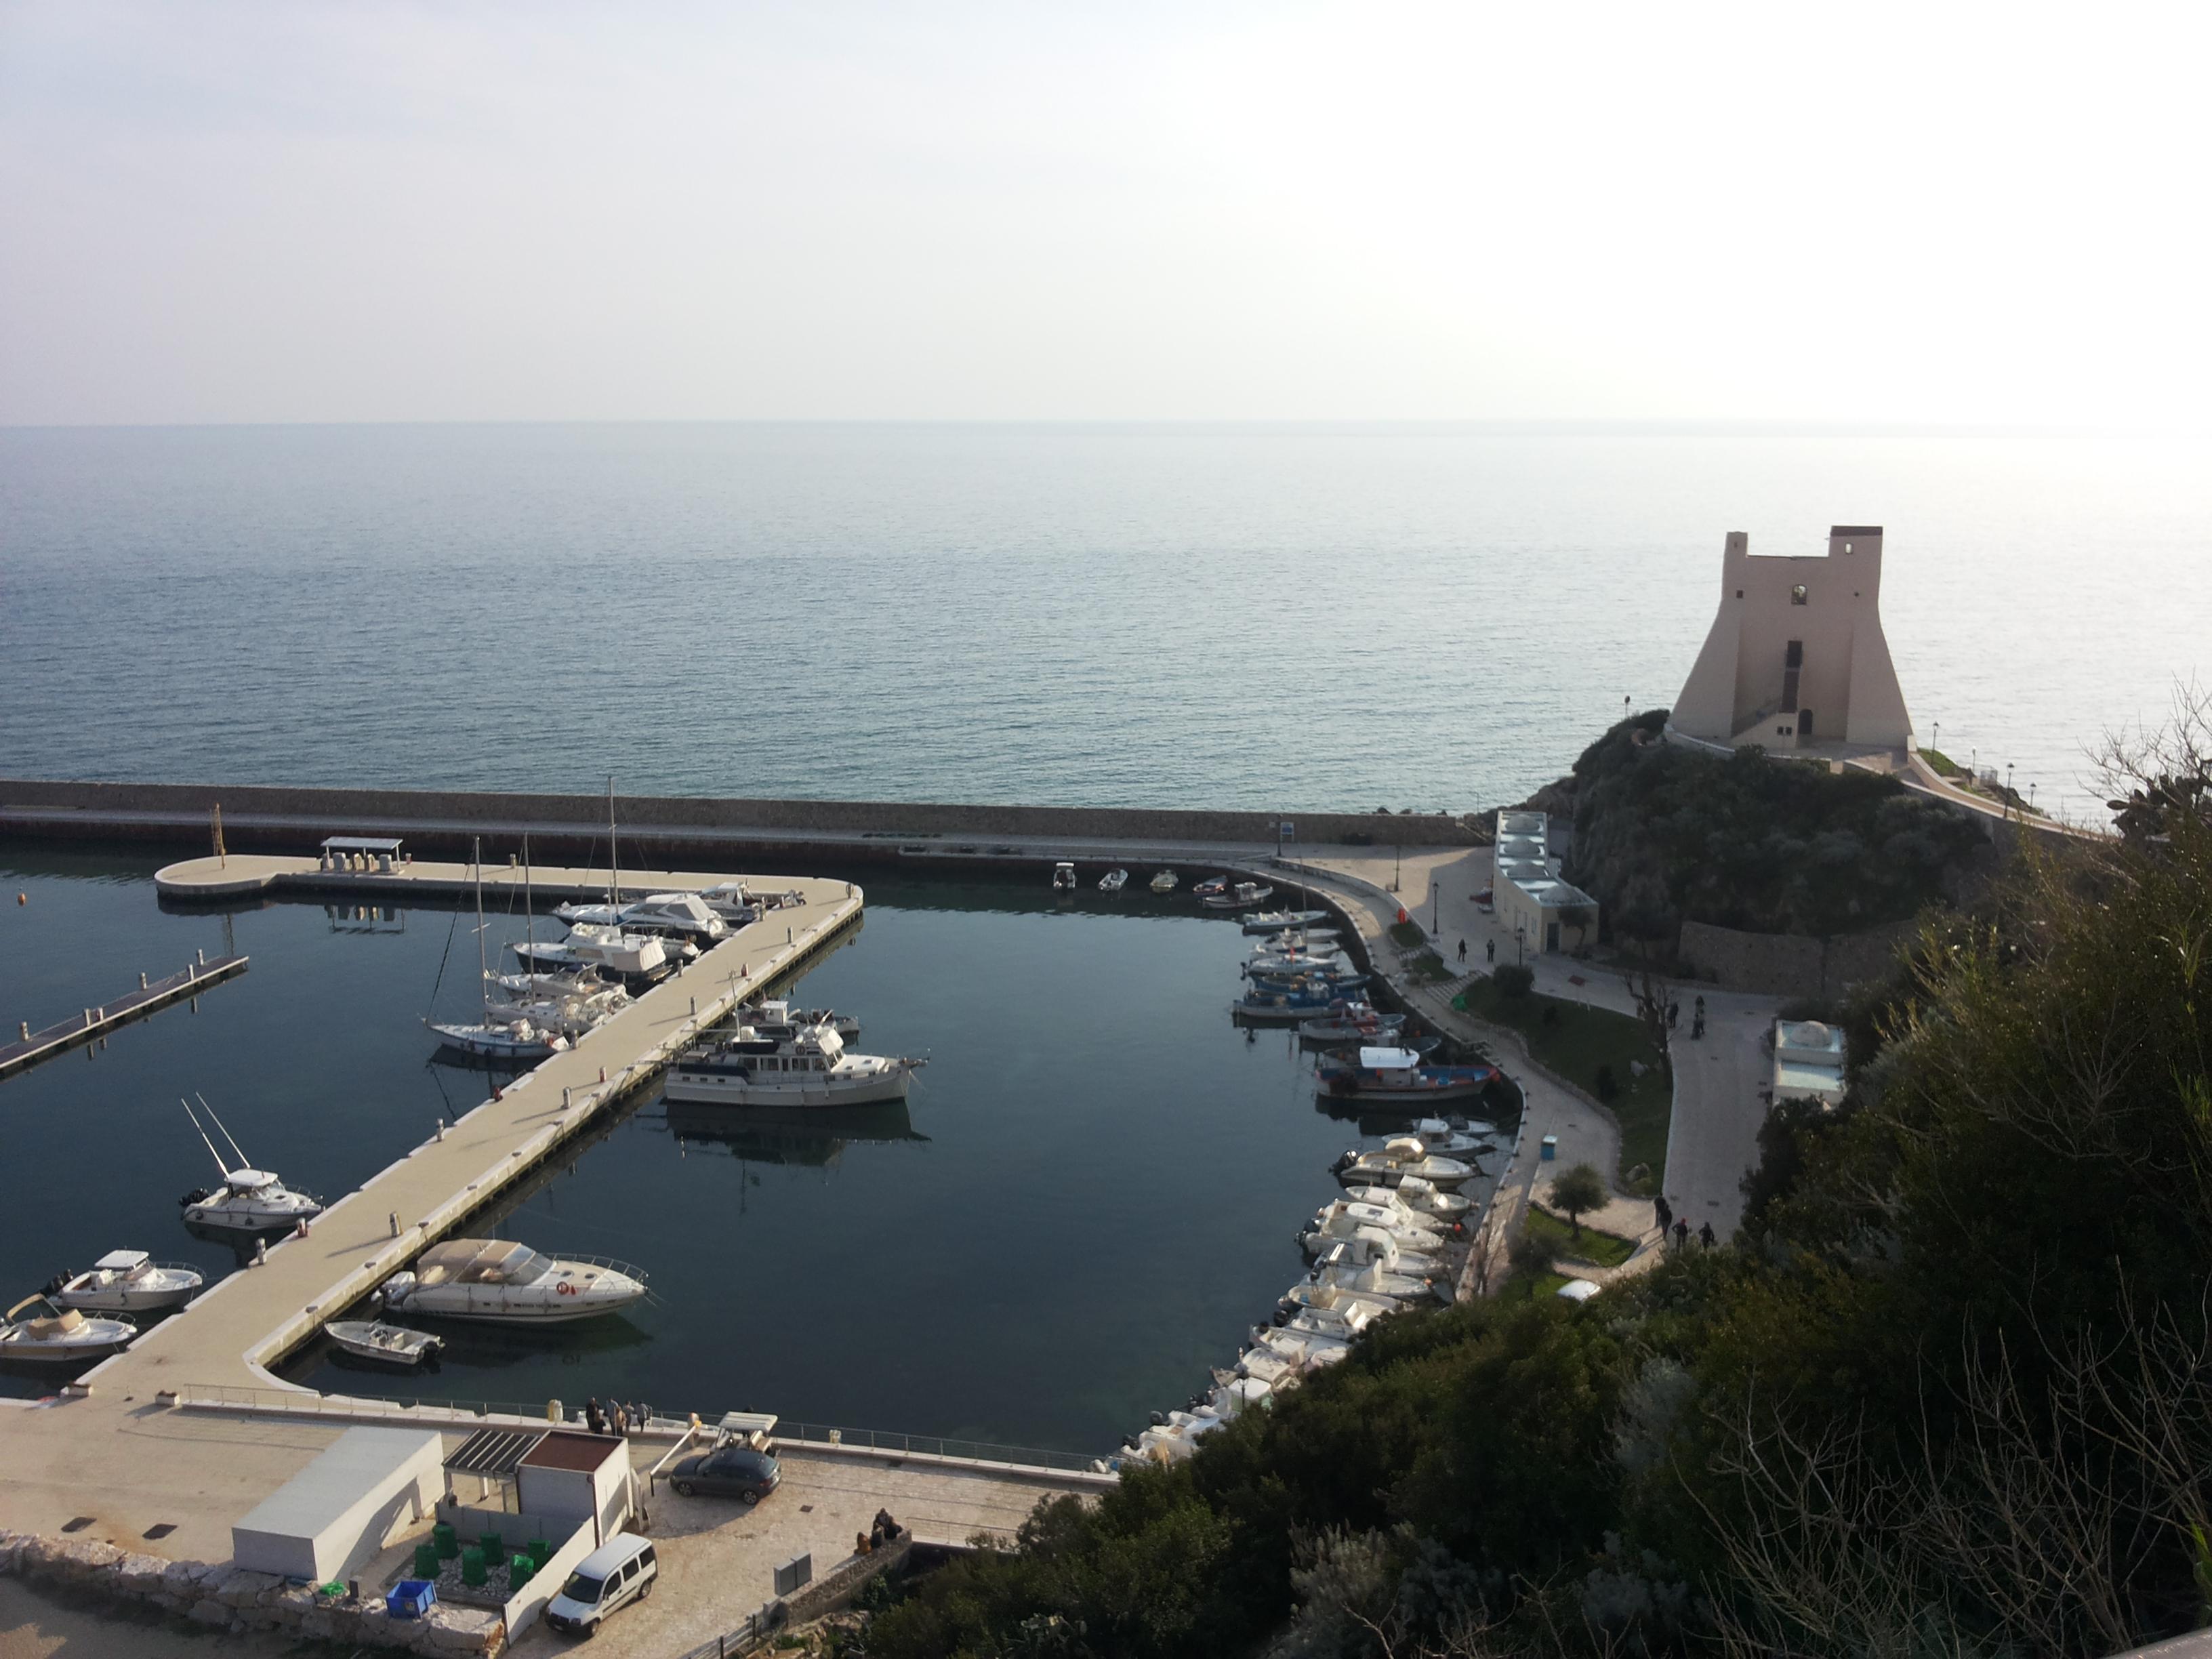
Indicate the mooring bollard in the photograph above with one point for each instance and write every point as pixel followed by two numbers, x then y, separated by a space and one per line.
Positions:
pixel 201 956
pixel 141 982
pixel 441 1128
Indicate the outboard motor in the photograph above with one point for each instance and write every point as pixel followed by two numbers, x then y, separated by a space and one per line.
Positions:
pixel 198 1194
pixel 1351 1156
pixel 54 1285
pixel 1159 1419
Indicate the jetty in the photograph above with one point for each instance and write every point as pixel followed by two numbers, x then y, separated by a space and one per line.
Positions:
pixel 188 981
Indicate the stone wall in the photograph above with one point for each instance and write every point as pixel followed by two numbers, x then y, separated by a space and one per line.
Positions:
pixel 370 811
pixel 227 1598
pixel 1789 964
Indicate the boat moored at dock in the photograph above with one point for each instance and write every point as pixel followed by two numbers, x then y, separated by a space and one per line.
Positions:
pixel 1398 1158
pixel 1243 897
pixel 1282 921
pixel 500 1282
pixel 249 1201
pixel 808 1067
pixel 386 1344
pixel 1397 1074
pixel 126 1281
pixel 36 1331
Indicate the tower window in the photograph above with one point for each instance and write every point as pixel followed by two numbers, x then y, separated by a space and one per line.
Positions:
pixel 1847 547
pixel 1739 593
pixel 1798 594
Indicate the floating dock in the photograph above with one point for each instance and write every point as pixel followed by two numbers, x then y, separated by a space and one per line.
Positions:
pixel 195 977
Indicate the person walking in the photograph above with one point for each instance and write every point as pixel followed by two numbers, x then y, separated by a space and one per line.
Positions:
pixel 593 1419
pixel 1681 1232
pixel 1665 1211
pixel 1705 1235
pixel 621 1420
pixel 1462 950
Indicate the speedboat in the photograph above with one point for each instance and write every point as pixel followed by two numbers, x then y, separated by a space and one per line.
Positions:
pixel 1398 1158
pixel 643 957
pixel 808 1068
pixel 1352 1021
pixel 1164 881
pixel 1303 1349
pixel 1384 1244
pixel 733 902
pixel 1343 1322
pixel 1282 921
pixel 1397 1074
pixel 1447 1140
pixel 1063 878
pixel 1345 1216
pixel 1174 1436
pixel 1334 1298
pixel 388 1345
pixel 670 915
pixel 504 1283
pixel 1364 1268
pixel 126 1281
pixel 1243 897
pixel 59 1336
pixel 776 1016
pixel 1419 1198
pixel 1322 941
pixel 1113 881
pixel 249 1201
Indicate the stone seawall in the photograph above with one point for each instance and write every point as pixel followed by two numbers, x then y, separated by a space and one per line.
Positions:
pixel 224 1597
pixel 1790 964
pixel 396 810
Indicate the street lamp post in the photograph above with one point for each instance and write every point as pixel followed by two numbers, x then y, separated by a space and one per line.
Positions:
pixel 1520 934
pixel 1435 905
pixel 2008 794
pixel 1397 865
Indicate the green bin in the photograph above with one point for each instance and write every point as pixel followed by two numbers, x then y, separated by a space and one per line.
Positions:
pixel 426 1560
pixel 448 1540
pixel 493 1547
pixel 472 1566
pixel 539 1551
pixel 520 1567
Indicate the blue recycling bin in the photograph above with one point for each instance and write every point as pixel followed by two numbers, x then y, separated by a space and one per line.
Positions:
pixel 1551 1149
pixel 411 1598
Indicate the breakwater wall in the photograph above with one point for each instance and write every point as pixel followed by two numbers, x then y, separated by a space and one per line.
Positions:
pixel 260 815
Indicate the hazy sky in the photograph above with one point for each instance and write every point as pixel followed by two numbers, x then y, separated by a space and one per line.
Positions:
pixel 383 211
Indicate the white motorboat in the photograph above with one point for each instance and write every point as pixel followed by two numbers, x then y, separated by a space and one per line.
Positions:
pixel 126 1281
pixel 249 1201
pixel 388 1345
pixel 1329 964
pixel 504 1283
pixel 520 1039
pixel 1333 1298
pixel 1063 878
pixel 1175 1435
pixel 59 1336
pixel 538 988
pixel 1446 1139
pixel 1164 881
pixel 1322 941
pixel 733 902
pixel 1113 881
pixel 1396 1160
pixel 1243 897
pixel 670 915
pixel 809 1067
pixel 1388 1245
pixel 1303 1349
pixel 1418 1197
pixel 1346 1218
pixel 1281 922
pixel 611 950
pixel 1343 1322
pixel 1363 1268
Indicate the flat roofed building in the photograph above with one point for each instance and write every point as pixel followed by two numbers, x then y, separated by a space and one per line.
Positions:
pixel 1808 1061
pixel 1530 899
pixel 1796 658
pixel 343 1507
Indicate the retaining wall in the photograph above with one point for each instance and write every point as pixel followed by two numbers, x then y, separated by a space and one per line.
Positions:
pixel 1790 964
pixel 394 810
pixel 224 1597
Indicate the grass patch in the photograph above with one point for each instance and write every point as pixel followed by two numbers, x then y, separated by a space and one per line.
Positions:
pixel 1530 1287
pixel 1605 1249
pixel 1578 1042
pixel 1408 933
pixel 1427 969
pixel 1945 766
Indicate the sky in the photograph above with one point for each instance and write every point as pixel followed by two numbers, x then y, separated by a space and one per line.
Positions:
pixel 379 211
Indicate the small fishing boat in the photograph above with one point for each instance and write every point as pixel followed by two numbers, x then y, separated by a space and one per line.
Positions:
pixel 126 1281
pixel 670 915
pixel 504 1283
pixel 1333 982
pixel 1113 881
pixel 1360 1266
pixel 59 1336
pixel 1397 1074
pixel 1284 964
pixel 1063 878
pixel 1398 1158
pixel 388 1345
pixel 1303 1349
pixel 1320 940
pixel 1282 921
pixel 1311 1295
pixel 249 1201
pixel 1418 1197
pixel 521 1039
pixel 1346 1216
pixel 1348 1021
pixel 1448 1140
pixel 1164 881
pixel 1243 897
pixel 1270 1003
pixel 808 1068
pixel 1210 886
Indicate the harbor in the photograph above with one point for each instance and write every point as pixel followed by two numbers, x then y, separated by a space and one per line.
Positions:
pixel 187 981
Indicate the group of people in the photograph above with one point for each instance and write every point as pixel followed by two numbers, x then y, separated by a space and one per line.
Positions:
pixel 614 1418
pixel 1697 1018
pixel 880 1533
pixel 1679 1226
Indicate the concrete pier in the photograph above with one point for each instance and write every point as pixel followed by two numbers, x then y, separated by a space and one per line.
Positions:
pixel 187 981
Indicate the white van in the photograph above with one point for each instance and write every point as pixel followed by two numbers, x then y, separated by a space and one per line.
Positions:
pixel 620 1572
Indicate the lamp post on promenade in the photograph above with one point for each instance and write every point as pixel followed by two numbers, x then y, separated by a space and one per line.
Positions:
pixel 1397 865
pixel 1435 905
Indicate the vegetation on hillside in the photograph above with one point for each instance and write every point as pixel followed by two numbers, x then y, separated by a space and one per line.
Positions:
pixel 1952 1394
pixel 1666 834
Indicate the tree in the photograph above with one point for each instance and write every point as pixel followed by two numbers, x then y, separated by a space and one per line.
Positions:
pixel 1580 918
pixel 1578 1192
pixel 1515 980
pixel 1654 994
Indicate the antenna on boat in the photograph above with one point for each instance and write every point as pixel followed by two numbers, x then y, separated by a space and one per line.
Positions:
pixel 614 864
pixel 221 1167
pixel 244 1162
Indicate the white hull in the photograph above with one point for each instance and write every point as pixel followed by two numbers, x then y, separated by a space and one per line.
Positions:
pixel 387 1345
pixel 713 1088
pixel 155 1298
pixel 499 1043
pixel 96 1342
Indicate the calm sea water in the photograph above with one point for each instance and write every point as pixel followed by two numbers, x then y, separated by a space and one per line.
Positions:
pixel 1090 1195
pixel 1328 617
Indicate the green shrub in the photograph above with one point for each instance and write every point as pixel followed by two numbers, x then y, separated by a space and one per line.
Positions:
pixel 1514 981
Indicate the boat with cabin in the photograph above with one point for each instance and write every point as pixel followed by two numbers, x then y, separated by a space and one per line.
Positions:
pixel 1398 1074
pixel 504 1283
pixel 249 1201
pixel 1063 878
pixel 776 1016
pixel 1419 1197
pixel 1113 881
pixel 809 1067
pixel 1243 897
pixel 1360 1266
pixel 686 916
pixel 386 1344
pixel 1344 1218
pixel 634 958
pixel 126 1281
pixel 1398 1159
pixel 36 1331
pixel 1349 1020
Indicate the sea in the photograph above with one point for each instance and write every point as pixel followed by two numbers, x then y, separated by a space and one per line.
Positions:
pixel 1331 618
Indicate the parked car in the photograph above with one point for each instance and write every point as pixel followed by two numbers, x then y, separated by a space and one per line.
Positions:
pixel 618 1573
pixel 736 1472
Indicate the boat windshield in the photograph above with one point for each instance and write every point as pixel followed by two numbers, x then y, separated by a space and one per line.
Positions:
pixel 581 1588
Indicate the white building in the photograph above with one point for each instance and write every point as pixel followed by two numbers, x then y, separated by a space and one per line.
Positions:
pixel 1808 1061
pixel 1532 903
pixel 1796 659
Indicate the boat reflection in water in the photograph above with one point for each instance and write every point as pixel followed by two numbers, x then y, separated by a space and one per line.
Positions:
pixel 811 1136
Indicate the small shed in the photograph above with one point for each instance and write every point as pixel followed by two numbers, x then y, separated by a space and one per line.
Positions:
pixel 379 853
pixel 343 1507
pixel 584 1476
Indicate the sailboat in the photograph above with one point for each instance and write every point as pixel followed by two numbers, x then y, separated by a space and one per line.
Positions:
pixel 511 1036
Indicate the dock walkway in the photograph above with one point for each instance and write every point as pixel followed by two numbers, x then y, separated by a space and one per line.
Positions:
pixel 187 981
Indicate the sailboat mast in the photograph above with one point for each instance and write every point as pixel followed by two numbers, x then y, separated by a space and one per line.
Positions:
pixel 529 917
pixel 614 864
pixel 483 966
